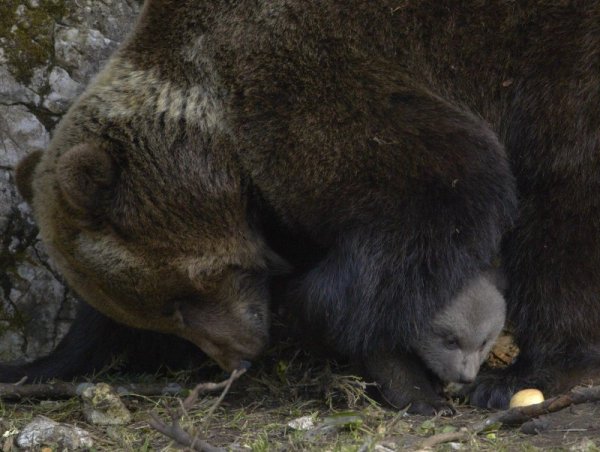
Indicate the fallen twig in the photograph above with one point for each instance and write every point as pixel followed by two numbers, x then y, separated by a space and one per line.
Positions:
pixel 234 376
pixel 446 437
pixel 179 435
pixel 192 398
pixel 63 389
pixel 55 390
pixel 518 415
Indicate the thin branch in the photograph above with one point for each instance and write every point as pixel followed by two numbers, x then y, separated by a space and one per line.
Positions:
pixel 179 435
pixel 64 390
pixel 56 390
pixel 518 415
pixel 234 376
pixel 447 437
pixel 191 399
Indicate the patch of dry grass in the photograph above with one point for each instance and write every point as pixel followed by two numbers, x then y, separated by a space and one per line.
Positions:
pixel 254 415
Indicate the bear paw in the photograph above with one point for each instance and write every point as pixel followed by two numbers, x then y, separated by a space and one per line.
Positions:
pixel 494 390
pixel 439 407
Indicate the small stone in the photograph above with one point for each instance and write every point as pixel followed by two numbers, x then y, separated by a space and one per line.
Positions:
pixel 20 131
pixel 11 91
pixel 63 91
pixel 302 423
pixel 42 430
pixel 103 406
pixel 14 243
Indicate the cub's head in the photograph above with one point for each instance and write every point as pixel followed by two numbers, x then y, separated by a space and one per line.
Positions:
pixel 159 245
pixel 461 336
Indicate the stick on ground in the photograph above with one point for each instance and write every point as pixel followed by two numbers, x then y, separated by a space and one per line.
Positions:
pixel 179 435
pixel 65 390
pixel 518 415
pixel 174 430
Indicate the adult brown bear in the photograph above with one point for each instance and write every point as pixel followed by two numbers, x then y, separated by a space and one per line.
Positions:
pixel 223 133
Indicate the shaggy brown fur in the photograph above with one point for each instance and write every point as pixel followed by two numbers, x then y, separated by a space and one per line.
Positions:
pixel 374 133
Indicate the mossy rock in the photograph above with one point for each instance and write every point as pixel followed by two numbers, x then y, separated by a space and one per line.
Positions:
pixel 27 34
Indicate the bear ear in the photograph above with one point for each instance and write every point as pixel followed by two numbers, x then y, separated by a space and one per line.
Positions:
pixel 86 175
pixel 24 174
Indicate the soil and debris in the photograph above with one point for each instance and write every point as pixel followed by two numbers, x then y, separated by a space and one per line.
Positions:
pixel 287 402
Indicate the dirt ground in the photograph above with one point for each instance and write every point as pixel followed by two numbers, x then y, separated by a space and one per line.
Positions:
pixel 287 385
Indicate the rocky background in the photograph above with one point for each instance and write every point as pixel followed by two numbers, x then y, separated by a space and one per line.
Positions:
pixel 49 50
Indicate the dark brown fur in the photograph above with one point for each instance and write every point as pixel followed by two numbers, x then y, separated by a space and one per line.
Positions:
pixel 375 132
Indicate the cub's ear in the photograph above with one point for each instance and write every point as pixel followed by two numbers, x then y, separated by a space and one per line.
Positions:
pixel 86 176
pixel 24 174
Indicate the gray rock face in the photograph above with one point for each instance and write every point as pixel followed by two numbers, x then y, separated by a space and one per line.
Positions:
pixel 49 50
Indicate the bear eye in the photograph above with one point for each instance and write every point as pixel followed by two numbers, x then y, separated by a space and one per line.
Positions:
pixel 483 344
pixel 451 343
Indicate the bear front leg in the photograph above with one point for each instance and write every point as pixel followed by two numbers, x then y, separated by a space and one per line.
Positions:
pixel 551 261
pixel 494 388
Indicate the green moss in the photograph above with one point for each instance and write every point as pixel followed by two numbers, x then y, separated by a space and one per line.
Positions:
pixel 29 37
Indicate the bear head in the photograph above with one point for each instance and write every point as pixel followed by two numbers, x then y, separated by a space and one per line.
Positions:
pixel 159 245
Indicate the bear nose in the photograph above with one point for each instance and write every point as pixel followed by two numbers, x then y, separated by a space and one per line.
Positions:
pixel 244 364
pixel 469 369
pixel 465 379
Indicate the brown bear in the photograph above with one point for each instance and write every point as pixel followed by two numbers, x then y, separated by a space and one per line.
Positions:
pixel 378 147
